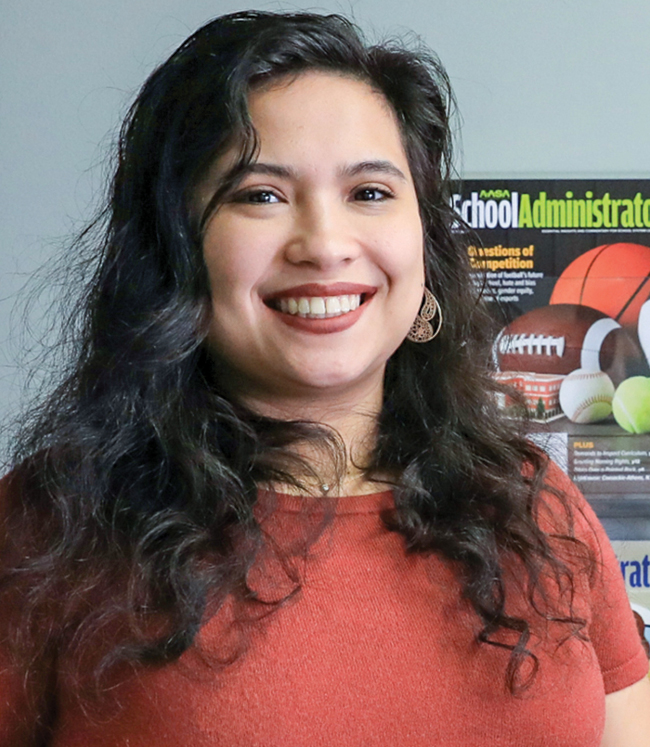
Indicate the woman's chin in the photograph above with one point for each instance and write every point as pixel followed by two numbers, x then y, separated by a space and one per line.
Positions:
pixel 322 383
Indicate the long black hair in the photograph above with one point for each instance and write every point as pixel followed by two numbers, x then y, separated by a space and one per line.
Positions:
pixel 135 483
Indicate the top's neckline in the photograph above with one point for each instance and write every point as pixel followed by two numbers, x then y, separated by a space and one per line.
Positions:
pixel 370 503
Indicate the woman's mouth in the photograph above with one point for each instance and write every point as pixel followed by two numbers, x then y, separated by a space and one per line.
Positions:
pixel 321 308
pixel 318 307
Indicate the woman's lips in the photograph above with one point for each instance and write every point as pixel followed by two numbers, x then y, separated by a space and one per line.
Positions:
pixel 321 309
pixel 312 290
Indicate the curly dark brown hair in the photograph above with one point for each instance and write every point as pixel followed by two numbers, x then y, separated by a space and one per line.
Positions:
pixel 135 481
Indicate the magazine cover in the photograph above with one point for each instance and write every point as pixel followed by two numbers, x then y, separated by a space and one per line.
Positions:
pixel 565 265
pixel 634 559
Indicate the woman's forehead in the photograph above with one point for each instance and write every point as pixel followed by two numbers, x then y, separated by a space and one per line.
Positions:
pixel 325 119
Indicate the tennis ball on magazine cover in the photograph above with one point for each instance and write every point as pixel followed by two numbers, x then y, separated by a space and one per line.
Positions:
pixel 631 404
pixel 586 396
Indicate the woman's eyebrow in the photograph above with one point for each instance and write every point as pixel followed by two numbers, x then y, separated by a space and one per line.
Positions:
pixel 378 166
pixel 270 169
pixel 354 169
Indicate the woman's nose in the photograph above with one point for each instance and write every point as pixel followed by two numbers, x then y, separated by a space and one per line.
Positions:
pixel 323 237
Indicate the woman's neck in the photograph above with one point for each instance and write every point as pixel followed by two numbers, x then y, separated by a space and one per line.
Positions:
pixel 352 421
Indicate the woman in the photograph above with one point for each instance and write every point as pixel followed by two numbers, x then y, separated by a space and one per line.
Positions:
pixel 274 501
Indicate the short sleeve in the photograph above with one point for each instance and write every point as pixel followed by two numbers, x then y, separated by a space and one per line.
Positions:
pixel 612 629
pixel 21 720
pixel 23 714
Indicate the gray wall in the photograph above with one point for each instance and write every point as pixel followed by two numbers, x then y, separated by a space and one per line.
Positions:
pixel 559 87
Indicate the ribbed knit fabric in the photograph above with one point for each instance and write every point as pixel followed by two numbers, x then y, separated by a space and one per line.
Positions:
pixel 377 649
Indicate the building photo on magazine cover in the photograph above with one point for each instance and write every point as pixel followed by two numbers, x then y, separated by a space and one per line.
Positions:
pixel 565 265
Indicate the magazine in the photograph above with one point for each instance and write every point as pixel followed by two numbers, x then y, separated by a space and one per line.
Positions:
pixel 565 266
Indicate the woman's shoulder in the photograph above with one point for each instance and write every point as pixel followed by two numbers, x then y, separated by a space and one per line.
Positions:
pixel 563 511
pixel 578 538
pixel 25 510
pixel 25 682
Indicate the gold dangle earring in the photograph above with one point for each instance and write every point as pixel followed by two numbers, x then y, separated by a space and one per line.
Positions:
pixel 421 329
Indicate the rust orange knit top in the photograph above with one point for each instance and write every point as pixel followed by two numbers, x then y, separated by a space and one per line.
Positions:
pixel 378 649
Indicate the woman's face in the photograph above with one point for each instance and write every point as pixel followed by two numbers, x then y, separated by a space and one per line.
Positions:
pixel 315 259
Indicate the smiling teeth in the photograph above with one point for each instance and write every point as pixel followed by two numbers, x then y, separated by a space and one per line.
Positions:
pixel 320 307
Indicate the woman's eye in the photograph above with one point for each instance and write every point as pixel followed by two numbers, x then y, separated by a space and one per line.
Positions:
pixel 259 197
pixel 371 194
